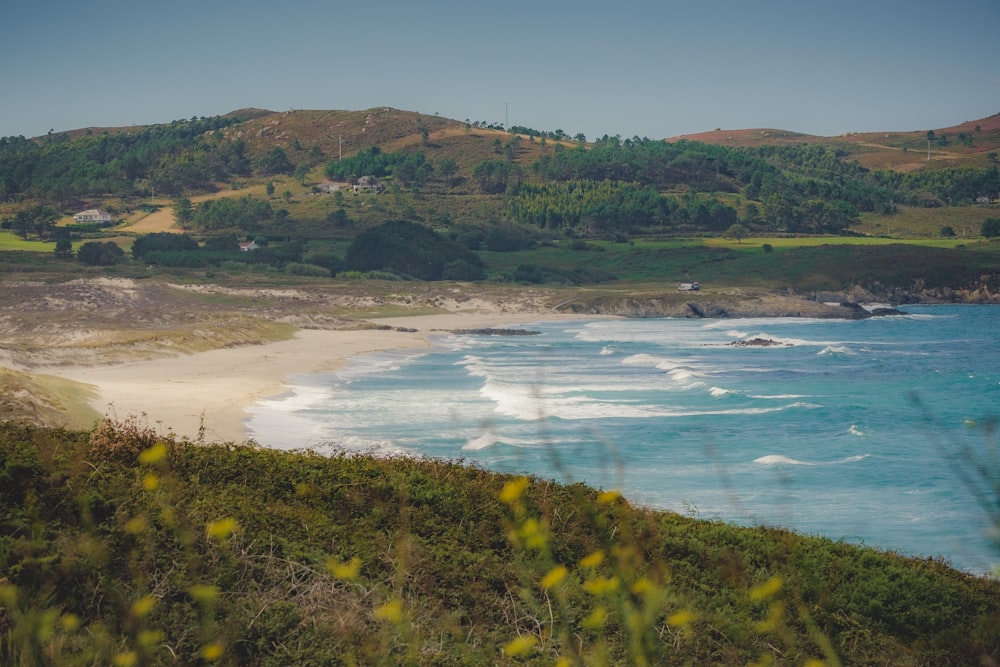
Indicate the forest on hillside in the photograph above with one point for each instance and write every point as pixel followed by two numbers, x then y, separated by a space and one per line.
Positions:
pixel 497 196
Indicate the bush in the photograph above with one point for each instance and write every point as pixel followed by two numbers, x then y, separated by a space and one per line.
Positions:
pixel 460 269
pixel 162 241
pixel 299 269
pixel 408 249
pixel 98 253
pixel 991 228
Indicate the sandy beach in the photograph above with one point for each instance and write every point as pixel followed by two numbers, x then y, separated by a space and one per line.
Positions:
pixel 211 390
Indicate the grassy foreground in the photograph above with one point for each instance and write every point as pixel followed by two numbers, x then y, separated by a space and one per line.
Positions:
pixel 119 546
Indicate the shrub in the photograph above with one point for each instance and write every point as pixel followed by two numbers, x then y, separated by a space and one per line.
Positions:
pixel 407 249
pixel 991 228
pixel 98 253
pixel 299 269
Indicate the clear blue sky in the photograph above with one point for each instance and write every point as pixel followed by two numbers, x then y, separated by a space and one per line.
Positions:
pixel 634 68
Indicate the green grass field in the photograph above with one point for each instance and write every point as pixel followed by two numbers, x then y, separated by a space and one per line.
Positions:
pixel 9 241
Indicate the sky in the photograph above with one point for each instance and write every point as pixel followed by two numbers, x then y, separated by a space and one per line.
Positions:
pixel 633 68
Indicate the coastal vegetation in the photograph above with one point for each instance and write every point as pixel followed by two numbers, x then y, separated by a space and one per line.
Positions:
pixel 120 545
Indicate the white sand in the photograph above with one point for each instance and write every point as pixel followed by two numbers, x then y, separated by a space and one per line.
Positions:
pixel 212 390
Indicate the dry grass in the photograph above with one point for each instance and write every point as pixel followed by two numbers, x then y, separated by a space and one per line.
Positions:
pixel 46 400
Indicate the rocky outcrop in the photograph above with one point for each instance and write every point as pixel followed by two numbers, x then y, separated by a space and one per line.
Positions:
pixel 759 342
pixel 721 307
pixel 496 332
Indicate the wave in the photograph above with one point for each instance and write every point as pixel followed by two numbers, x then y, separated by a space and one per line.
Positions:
pixel 854 430
pixel 778 459
pixel 484 441
pixel 836 349
pixel 606 350
pixel 778 396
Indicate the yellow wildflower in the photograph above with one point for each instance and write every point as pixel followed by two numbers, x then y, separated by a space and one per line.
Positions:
pixel 513 490
pixel 596 619
pixel 203 593
pixel 520 647
pixel 680 619
pixel 345 571
pixel 126 659
pixel 767 590
pixel 136 525
pixel 593 560
pixel 608 497
pixel 554 577
pixel 143 605
pixel 391 611
pixel 221 529
pixel 212 652
pixel 154 454
pixel 150 482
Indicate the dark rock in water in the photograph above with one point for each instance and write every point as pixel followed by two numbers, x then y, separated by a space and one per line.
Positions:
pixel 496 332
pixel 859 312
pixel 887 312
pixel 758 342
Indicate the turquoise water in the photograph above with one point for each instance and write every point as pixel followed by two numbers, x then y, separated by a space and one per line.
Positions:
pixel 854 430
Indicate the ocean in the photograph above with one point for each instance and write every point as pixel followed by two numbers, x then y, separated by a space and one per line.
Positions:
pixel 861 431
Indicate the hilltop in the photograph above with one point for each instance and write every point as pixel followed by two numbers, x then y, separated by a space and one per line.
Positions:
pixel 966 144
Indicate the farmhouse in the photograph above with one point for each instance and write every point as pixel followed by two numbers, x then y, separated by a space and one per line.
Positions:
pixel 249 246
pixel 93 215
pixel 368 184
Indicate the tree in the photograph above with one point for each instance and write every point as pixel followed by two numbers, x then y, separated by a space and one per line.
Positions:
pixel 991 228
pixel 276 162
pixel 98 253
pixel 948 232
pixel 409 249
pixel 183 211
pixel 270 188
pixel 39 219
pixel 64 248
pixel 738 232
pixel 162 241
pixel 495 176
pixel 447 168
pixel 301 172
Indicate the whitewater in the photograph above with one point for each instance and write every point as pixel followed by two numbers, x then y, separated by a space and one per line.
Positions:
pixel 861 431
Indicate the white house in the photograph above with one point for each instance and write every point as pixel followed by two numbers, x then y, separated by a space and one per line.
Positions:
pixel 249 246
pixel 368 184
pixel 93 215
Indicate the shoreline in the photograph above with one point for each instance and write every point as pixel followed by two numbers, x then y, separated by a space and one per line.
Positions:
pixel 205 395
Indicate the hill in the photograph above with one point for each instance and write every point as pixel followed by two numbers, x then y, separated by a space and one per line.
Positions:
pixel 120 546
pixel 968 144
pixel 305 184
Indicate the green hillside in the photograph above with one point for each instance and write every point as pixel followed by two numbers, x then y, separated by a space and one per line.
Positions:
pixel 118 546
pixel 527 206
